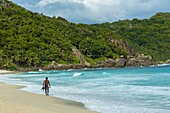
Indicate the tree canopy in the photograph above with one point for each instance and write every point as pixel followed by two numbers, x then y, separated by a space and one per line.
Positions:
pixel 148 36
pixel 30 39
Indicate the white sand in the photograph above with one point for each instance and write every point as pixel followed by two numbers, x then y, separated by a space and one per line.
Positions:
pixel 6 72
pixel 13 100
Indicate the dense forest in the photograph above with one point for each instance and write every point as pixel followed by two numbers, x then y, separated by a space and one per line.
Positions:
pixel 147 36
pixel 30 39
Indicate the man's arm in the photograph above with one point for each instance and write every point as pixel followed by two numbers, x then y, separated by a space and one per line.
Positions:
pixel 49 84
pixel 43 84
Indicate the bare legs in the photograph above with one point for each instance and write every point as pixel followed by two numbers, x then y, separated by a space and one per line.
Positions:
pixel 47 91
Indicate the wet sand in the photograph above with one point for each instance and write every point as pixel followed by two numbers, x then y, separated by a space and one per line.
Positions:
pixel 13 100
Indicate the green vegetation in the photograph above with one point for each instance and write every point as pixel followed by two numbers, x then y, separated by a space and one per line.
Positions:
pixel 30 39
pixel 148 36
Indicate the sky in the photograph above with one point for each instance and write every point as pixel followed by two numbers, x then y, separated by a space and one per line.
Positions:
pixel 96 11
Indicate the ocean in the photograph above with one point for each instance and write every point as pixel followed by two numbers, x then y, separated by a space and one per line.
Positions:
pixel 109 90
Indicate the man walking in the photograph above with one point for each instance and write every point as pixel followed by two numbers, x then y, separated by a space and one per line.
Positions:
pixel 46 85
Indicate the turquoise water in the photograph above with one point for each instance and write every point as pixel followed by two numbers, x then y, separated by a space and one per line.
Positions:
pixel 113 90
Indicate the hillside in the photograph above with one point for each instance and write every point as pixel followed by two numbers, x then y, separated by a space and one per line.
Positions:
pixel 147 36
pixel 30 39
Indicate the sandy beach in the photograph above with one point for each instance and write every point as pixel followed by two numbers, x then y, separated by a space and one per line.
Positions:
pixel 6 72
pixel 13 100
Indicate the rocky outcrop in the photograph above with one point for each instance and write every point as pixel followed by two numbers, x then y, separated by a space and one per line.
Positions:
pixel 106 63
pixel 123 45
pixel 140 60
pixel 53 65
pixel 120 62
pixel 168 61
pixel 132 62
pixel 64 66
pixel 78 55
pixel 133 59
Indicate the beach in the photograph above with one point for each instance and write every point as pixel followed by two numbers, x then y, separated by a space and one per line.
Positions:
pixel 110 90
pixel 13 100
pixel 7 72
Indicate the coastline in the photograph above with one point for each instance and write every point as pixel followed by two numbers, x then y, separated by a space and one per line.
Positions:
pixel 7 72
pixel 37 105
pixel 18 101
pixel 13 100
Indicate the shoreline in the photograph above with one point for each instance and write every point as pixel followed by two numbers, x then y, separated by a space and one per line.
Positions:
pixel 68 67
pixel 7 72
pixel 13 99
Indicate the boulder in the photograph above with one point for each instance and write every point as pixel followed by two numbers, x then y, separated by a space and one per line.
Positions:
pixel 106 63
pixel 53 65
pixel 120 62
pixel 145 60
pixel 78 55
pixel 123 45
pixel 132 62
pixel 140 60
pixel 168 61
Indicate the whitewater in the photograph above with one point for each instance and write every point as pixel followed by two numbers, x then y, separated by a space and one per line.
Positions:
pixel 109 90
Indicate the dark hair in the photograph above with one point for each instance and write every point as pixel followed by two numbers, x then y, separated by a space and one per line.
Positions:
pixel 46 77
